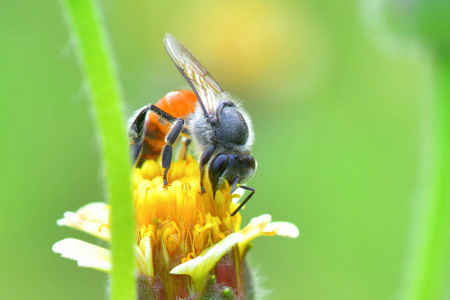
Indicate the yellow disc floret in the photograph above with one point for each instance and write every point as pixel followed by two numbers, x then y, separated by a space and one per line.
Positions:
pixel 180 221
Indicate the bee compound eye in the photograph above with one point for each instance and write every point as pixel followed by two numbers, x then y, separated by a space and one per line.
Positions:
pixel 217 168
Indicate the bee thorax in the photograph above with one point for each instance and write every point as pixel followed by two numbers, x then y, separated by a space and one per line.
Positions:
pixel 232 127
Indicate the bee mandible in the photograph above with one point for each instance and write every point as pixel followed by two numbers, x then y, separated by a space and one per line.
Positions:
pixel 218 127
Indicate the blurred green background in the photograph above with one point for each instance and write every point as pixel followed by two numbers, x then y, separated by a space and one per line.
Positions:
pixel 341 117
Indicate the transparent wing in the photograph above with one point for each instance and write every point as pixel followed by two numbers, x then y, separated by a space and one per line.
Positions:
pixel 201 82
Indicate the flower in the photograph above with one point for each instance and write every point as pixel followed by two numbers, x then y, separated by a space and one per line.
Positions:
pixel 187 243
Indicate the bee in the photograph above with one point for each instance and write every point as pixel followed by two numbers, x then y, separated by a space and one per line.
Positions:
pixel 220 130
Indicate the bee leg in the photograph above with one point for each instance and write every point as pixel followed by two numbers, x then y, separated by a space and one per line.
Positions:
pixel 206 156
pixel 234 185
pixel 171 138
pixel 252 192
pixel 162 114
pixel 166 116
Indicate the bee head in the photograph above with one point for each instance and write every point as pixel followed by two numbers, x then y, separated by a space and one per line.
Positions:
pixel 228 167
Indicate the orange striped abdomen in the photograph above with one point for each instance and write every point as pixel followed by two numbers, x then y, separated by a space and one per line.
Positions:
pixel 178 104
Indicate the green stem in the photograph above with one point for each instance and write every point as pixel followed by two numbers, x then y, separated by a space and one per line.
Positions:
pixel 428 275
pixel 96 61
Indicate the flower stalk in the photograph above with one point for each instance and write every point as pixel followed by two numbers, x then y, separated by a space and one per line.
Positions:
pixel 95 58
pixel 428 252
pixel 427 279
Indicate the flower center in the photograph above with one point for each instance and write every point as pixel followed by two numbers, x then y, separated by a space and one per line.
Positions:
pixel 180 221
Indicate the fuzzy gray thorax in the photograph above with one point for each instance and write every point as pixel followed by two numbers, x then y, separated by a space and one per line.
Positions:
pixel 229 129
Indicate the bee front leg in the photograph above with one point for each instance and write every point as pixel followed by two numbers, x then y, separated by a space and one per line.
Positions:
pixel 252 192
pixel 171 138
pixel 206 156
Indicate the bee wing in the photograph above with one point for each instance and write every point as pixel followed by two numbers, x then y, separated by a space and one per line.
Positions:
pixel 201 82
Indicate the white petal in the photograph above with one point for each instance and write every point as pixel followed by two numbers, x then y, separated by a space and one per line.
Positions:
pixel 199 267
pixel 282 229
pixel 262 226
pixel 253 230
pixel 140 260
pixel 144 256
pixel 95 212
pixel 92 218
pixel 86 254
pixel 239 191
pixel 258 221
pixel 96 264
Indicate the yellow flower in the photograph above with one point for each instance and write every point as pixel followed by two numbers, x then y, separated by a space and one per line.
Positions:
pixel 187 243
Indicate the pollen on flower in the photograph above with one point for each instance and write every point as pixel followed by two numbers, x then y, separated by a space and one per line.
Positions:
pixel 180 221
